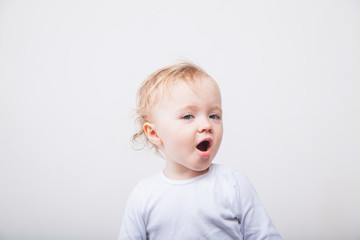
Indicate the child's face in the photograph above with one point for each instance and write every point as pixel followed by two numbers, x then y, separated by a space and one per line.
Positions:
pixel 187 127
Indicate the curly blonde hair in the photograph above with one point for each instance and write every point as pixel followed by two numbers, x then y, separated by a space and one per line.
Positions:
pixel 153 86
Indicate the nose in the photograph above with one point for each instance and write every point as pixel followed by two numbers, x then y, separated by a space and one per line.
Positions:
pixel 204 126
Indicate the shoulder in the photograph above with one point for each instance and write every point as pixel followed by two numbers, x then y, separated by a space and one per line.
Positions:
pixel 141 193
pixel 227 173
pixel 147 185
pixel 230 178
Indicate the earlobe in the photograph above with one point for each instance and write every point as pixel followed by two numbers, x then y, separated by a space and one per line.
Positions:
pixel 151 134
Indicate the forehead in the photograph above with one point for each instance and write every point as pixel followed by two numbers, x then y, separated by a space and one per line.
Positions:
pixel 199 89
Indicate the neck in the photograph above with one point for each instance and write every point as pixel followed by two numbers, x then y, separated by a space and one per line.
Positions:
pixel 182 173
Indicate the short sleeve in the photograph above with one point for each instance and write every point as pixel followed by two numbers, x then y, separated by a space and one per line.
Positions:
pixel 255 222
pixel 133 227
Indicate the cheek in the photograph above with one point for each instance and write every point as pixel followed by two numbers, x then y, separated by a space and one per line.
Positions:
pixel 219 133
pixel 181 141
pixel 182 138
pixel 171 138
pixel 222 131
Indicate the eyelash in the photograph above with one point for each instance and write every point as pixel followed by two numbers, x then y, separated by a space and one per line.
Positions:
pixel 212 116
pixel 188 116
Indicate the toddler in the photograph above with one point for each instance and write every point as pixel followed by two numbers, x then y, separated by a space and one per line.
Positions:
pixel 179 110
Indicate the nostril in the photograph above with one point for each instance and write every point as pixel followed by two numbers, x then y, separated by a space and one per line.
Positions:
pixel 201 130
pixel 205 128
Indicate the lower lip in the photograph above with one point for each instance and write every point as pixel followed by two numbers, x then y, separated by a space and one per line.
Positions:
pixel 205 154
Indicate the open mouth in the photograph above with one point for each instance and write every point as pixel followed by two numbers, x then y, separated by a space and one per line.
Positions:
pixel 203 146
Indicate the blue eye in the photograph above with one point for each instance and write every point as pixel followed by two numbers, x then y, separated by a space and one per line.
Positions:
pixel 188 116
pixel 214 116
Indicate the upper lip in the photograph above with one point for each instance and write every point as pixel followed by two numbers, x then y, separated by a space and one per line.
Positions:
pixel 206 139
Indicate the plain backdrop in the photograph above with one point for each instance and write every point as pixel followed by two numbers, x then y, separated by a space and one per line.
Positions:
pixel 289 72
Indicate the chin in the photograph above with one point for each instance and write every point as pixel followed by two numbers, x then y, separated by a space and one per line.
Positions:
pixel 202 167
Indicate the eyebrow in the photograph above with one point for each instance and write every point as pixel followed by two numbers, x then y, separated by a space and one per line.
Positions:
pixel 194 107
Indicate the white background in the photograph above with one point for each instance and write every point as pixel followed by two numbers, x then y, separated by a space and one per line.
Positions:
pixel 289 72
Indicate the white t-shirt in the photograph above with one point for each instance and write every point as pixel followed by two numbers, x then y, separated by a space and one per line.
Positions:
pixel 220 204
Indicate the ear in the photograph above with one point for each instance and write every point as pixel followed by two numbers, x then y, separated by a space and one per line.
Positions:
pixel 151 134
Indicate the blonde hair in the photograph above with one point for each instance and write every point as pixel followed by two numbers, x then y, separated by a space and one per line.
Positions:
pixel 149 90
